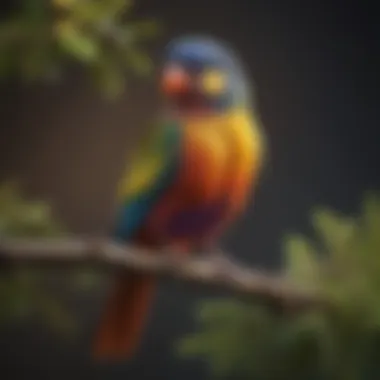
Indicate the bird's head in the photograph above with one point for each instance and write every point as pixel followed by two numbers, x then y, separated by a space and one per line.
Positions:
pixel 202 76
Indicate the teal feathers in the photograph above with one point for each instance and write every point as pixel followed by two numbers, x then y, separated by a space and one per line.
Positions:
pixel 157 164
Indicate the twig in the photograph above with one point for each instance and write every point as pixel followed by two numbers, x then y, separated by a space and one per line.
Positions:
pixel 272 289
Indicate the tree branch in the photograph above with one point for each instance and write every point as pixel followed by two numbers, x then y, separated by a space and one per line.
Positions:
pixel 272 289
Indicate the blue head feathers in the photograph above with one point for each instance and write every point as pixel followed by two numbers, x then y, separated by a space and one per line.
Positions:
pixel 197 53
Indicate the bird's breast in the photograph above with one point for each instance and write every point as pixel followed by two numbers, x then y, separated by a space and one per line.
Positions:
pixel 218 158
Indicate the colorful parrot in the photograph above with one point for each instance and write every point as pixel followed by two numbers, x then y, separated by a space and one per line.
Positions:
pixel 189 180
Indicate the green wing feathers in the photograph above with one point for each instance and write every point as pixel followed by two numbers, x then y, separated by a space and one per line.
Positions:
pixel 147 163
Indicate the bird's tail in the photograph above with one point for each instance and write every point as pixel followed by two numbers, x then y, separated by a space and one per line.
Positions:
pixel 122 323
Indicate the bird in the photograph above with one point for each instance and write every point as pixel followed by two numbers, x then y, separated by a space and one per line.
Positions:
pixel 189 178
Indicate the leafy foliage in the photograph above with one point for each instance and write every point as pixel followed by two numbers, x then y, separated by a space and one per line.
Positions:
pixel 337 343
pixel 39 39
pixel 20 217
pixel 42 36
pixel 25 292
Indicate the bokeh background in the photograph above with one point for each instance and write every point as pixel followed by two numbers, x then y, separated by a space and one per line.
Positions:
pixel 314 66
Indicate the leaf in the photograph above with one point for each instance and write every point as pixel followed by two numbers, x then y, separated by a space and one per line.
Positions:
pixel 302 264
pixel 36 44
pixel 22 290
pixel 307 344
pixel 76 43
pixel 334 343
pixel 371 210
pixel 334 230
pixel 232 336
pixel 64 4
pixel 93 12
pixel 371 226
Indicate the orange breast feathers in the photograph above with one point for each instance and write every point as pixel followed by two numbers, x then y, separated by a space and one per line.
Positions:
pixel 222 158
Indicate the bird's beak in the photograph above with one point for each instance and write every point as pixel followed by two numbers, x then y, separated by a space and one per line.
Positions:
pixel 175 81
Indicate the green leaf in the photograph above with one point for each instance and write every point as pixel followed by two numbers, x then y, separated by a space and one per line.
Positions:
pixel 222 339
pixel 36 43
pixel 23 291
pixel 302 263
pixel 371 209
pixel 371 225
pixel 97 11
pixel 78 44
pixel 328 343
pixel 335 231
pixel 307 344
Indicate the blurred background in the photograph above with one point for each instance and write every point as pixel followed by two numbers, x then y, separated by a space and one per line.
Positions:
pixel 68 121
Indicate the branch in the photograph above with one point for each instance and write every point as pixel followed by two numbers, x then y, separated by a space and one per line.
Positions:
pixel 272 289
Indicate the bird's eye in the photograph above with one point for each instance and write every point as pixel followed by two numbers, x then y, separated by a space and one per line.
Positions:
pixel 213 82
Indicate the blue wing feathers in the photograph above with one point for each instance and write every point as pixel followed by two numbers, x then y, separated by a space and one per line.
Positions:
pixel 133 213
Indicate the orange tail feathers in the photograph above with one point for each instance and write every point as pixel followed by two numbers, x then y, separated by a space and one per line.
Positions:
pixel 121 327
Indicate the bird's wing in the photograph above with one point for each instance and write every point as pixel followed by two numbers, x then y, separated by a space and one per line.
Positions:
pixel 153 168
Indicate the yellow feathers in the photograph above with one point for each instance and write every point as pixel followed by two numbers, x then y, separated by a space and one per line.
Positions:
pixel 248 139
pixel 224 153
pixel 146 165
pixel 233 140
pixel 239 130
